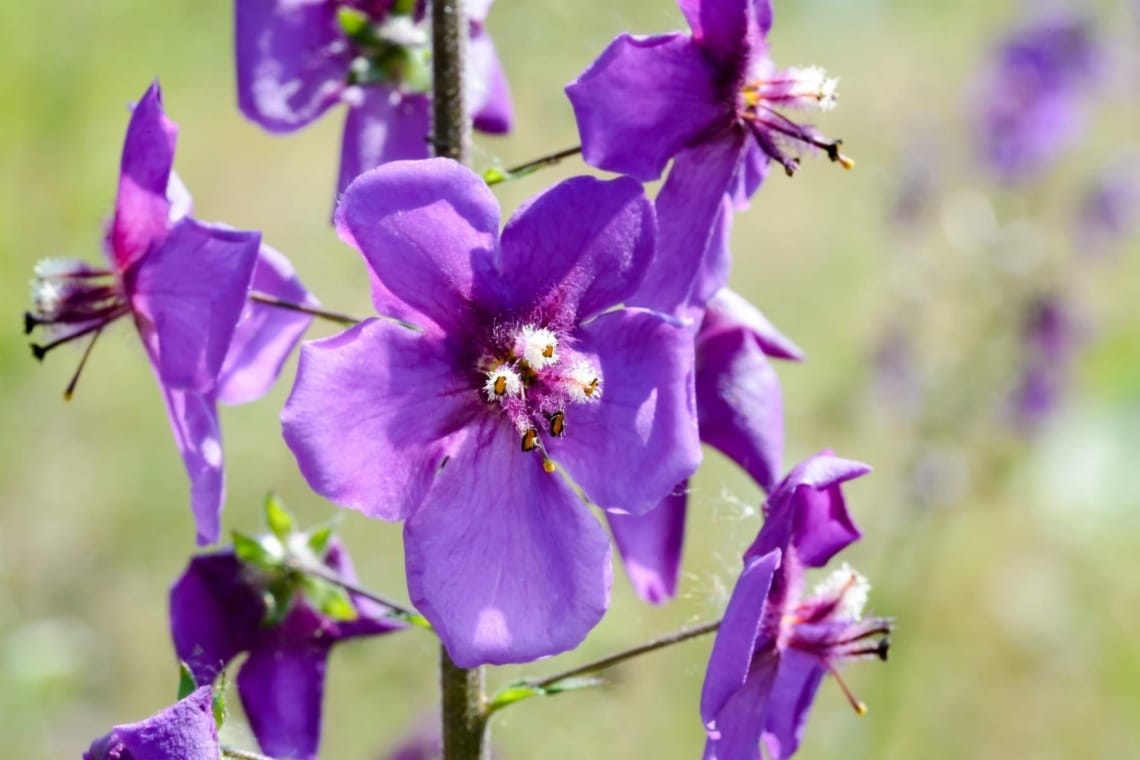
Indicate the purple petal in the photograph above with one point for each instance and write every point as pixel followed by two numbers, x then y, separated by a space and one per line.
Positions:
pixel 646 98
pixel 631 448
pixel 728 310
pixel 215 614
pixel 721 26
pixel 292 60
pixel 370 415
pixel 487 86
pixel 183 731
pixel 503 558
pixel 578 249
pixel 753 170
pixel 797 680
pixel 692 218
pixel 142 210
pixel 194 419
pixel 265 335
pixel 650 546
pixel 372 618
pixel 741 720
pixel 188 295
pixel 384 125
pixel 734 648
pixel 429 232
pixel 740 405
pixel 281 690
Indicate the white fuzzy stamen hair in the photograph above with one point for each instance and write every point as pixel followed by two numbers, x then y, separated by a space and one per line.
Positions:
pixel 850 586
pixel 584 381
pixel 815 87
pixel 503 378
pixel 534 343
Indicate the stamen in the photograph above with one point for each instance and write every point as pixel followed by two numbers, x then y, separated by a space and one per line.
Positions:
pixel 530 440
pixel 538 346
pixel 859 707
pixel 70 389
pixel 584 382
pixel 558 424
pixel 39 351
pixel 501 382
pixel 549 467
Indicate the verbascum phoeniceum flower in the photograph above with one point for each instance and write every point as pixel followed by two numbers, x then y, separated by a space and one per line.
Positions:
pixel 740 412
pixel 515 388
pixel 714 103
pixel 184 731
pixel 298 58
pixel 186 285
pixel 776 643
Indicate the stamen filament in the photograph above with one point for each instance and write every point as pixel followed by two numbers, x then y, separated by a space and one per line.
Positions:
pixel 859 707
pixel 280 303
pixel 70 389
pixel 39 351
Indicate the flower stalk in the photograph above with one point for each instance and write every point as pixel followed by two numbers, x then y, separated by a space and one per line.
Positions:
pixel 303 308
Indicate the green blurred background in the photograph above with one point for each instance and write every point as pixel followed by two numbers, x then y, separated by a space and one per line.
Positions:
pixel 1010 563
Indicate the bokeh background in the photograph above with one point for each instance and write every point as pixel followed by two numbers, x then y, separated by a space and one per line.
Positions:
pixel 1007 554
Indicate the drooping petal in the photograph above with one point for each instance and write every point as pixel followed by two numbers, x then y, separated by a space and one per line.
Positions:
pixel 797 681
pixel 728 310
pixel 503 558
pixel 428 230
pixel 752 173
pixel 265 335
pixel 691 215
pixel 578 249
pixel 720 26
pixel 741 720
pixel 370 416
pixel 490 94
pixel 650 546
pixel 183 731
pixel 194 419
pixel 142 210
pixel 646 98
pixel 740 405
pixel 215 614
pixel 735 645
pixel 292 60
pixel 188 295
pixel 383 125
pixel 643 427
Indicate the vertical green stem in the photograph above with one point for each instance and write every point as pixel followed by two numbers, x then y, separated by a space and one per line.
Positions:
pixel 462 699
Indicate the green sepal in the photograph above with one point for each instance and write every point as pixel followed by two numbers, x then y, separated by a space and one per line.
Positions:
pixel 186 683
pixel 318 538
pixel 403 7
pixel 329 599
pixel 520 690
pixel 278 599
pixel 354 23
pixel 218 701
pixel 277 517
pixel 249 549
pixel 495 175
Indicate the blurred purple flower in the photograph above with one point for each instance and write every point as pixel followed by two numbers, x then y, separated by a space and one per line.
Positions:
pixel 1032 99
pixel 1050 338
pixel 740 412
pixel 298 58
pixel 1109 212
pixel 218 611
pixel 774 646
pixel 183 731
pixel 521 358
pixel 186 285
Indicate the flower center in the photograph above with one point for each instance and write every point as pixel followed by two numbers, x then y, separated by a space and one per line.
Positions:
pixel 533 375
pixel 389 48
pixel 779 136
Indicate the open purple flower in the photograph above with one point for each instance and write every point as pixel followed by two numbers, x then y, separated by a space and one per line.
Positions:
pixel 296 59
pixel 1050 338
pixel 522 367
pixel 218 611
pixel 740 412
pixel 185 284
pixel 775 645
pixel 1031 102
pixel 183 731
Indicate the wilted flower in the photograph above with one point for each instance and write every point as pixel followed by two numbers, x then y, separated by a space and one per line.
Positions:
pixel 775 644
pixel 740 412
pixel 295 60
pixel 184 731
pixel 522 365
pixel 186 286
pixel 220 608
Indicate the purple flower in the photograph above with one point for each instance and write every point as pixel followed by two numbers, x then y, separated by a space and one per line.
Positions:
pixel 522 366
pixel 298 58
pixel 1050 337
pixel 185 284
pixel 218 611
pixel 1109 212
pixel 1031 105
pixel 775 645
pixel 183 731
pixel 740 413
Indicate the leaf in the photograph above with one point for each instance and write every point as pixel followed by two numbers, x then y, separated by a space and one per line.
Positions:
pixel 495 175
pixel 186 683
pixel 249 549
pixel 277 517
pixel 520 690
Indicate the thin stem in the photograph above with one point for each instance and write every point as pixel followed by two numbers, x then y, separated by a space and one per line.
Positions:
pixel 668 640
pixel 326 574
pixel 279 303
pixel 451 129
pixel 535 164
pixel 242 754
pixel 464 711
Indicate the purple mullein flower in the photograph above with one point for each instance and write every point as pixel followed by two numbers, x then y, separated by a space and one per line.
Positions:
pixel 218 611
pixel 1031 100
pixel 774 645
pixel 1109 212
pixel 186 286
pixel 522 365
pixel 1050 337
pixel 298 58
pixel 184 731
pixel 740 412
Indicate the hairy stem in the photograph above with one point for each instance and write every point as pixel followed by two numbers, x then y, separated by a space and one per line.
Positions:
pixel 280 303
pixel 464 711
pixel 242 754
pixel 551 159
pixel 451 129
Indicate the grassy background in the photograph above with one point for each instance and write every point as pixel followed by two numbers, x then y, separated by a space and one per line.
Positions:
pixel 1010 565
